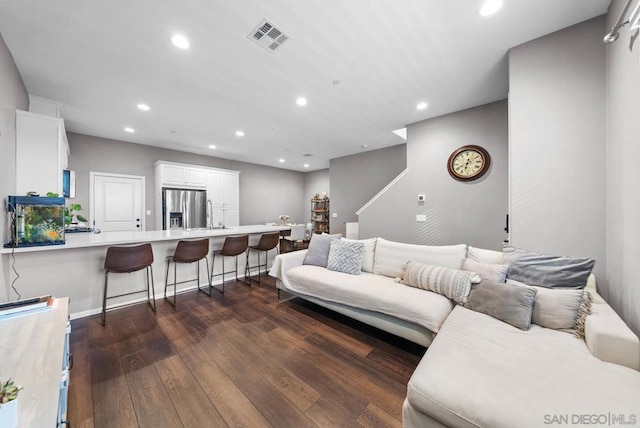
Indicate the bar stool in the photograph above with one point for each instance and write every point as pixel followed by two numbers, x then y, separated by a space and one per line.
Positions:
pixel 233 246
pixel 126 260
pixel 268 241
pixel 186 252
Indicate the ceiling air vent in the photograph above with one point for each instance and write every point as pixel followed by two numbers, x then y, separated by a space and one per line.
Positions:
pixel 267 35
pixel 307 155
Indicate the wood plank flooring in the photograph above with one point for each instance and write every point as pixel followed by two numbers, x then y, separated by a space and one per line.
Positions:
pixel 236 359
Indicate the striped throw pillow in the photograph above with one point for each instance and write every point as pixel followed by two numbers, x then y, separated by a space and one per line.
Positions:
pixel 452 283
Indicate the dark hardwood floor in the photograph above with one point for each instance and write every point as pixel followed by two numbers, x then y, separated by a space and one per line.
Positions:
pixel 238 359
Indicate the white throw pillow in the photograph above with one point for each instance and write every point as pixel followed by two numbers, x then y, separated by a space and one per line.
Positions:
pixel 484 256
pixel 559 309
pixel 391 257
pixel 369 252
pixel 490 271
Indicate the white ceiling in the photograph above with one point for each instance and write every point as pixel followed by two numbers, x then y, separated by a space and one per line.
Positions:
pixel 100 58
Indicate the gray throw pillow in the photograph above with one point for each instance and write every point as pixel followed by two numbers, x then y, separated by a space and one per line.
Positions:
pixel 512 304
pixel 547 271
pixel 318 252
pixel 345 256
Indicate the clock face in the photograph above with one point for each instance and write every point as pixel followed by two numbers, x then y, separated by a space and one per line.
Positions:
pixel 468 163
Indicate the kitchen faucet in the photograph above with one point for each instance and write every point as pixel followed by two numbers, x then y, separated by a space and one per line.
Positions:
pixel 210 213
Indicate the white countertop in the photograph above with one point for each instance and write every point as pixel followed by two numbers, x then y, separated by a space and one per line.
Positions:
pixel 83 240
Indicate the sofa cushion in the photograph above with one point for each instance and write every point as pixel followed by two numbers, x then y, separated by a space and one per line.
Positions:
pixel 371 292
pixel 481 372
pixel 345 256
pixel 484 256
pixel 547 271
pixel 391 257
pixel 318 251
pixel 452 283
pixel 513 305
pixel 369 252
pixel 491 271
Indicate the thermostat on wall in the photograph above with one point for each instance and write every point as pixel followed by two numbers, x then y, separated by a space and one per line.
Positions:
pixel 420 198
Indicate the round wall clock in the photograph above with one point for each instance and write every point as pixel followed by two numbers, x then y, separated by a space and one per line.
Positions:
pixel 468 163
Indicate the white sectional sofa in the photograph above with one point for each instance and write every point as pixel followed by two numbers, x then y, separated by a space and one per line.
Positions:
pixel 478 370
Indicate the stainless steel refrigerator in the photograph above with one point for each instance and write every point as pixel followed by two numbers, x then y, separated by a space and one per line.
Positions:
pixel 184 209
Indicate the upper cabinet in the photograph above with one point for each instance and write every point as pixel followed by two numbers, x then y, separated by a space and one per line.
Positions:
pixel 223 190
pixel 222 186
pixel 42 152
pixel 181 176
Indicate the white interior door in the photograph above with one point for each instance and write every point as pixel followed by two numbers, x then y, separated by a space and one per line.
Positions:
pixel 117 202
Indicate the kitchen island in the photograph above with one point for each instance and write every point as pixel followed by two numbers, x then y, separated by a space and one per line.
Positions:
pixel 76 269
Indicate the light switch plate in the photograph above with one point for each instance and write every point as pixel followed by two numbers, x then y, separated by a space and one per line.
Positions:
pixel 334 215
pixel 148 212
pixel 421 217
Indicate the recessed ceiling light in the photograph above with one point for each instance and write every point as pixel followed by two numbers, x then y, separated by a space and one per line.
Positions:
pixel 143 107
pixel 240 133
pixel 180 41
pixel 129 130
pixel 422 105
pixel 301 101
pixel 211 146
pixel 281 160
pixel 489 7
pixel 306 165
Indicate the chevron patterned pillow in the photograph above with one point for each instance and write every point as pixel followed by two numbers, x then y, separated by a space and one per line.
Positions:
pixel 345 256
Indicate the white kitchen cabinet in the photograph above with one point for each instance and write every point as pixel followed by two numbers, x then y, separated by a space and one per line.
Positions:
pixel 181 176
pixel 227 217
pixel 42 152
pixel 231 217
pixel 223 189
pixel 222 186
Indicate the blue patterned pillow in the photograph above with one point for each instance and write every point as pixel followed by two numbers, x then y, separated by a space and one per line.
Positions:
pixel 345 256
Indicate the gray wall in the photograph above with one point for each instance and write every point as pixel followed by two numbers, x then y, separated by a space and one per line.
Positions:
pixel 314 182
pixel 13 95
pixel 622 288
pixel 457 212
pixel 265 192
pixel 557 148
pixel 355 179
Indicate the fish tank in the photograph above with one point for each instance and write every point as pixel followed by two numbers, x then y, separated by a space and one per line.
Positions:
pixel 36 221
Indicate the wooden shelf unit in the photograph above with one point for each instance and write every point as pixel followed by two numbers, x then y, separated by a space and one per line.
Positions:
pixel 320 215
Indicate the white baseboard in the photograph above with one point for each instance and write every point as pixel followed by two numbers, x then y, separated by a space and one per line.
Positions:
pixel 90 312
